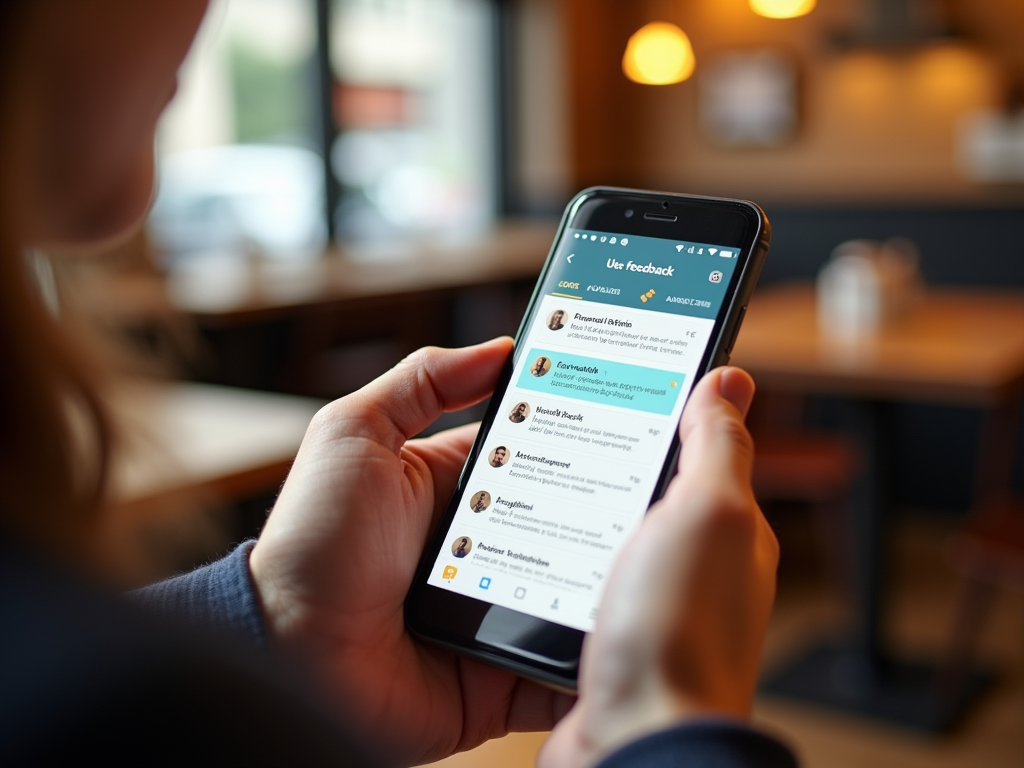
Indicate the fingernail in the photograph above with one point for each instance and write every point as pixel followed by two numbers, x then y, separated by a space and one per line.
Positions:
pixel 736 386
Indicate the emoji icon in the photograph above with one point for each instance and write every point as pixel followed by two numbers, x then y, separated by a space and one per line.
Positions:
pixel 449 572
pixel 646 296
pixel 673 384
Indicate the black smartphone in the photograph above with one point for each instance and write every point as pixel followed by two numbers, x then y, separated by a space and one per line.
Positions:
pixel 641 294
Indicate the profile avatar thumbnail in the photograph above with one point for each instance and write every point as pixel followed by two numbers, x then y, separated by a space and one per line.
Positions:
pixel 480 501
pixel 498 457
pixel 462 546
pixel 556 320
pixel 519 413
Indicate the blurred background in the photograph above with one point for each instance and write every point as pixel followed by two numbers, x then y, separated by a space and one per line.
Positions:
pixel 342 181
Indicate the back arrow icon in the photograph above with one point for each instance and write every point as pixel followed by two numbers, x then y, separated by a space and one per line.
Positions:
pixel 568 259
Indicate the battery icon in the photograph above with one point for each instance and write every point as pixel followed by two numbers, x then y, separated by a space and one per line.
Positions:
pixel 726 254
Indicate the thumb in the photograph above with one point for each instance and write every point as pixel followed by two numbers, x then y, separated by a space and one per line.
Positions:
pixel 406 399
pixel 717 447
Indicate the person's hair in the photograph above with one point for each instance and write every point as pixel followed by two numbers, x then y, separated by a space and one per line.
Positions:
pixel 54 435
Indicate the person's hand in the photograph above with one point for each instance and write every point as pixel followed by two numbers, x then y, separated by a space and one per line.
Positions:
pixel 339 551
pixel 686 607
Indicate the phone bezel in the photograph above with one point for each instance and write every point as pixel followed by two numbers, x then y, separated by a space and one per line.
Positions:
pixel 454 620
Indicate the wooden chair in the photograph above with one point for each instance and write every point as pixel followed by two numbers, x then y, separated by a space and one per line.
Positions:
pixel 815 469
pixel 989 552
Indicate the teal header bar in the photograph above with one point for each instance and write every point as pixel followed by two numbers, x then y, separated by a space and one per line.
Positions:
pixel 600 381
pixel 674 276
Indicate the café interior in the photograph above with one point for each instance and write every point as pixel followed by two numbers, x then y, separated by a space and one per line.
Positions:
pixel 344 181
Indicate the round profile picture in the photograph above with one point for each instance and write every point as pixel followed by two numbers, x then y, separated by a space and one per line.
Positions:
pixel 480 501
pixel 461 546
pixel 556 320
pixel 540 366
pixel 519 413
pixel 498 457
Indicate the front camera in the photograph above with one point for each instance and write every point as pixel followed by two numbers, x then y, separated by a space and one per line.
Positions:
pixel 629 213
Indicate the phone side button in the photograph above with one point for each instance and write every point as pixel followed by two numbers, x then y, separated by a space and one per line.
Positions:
pixel 736 330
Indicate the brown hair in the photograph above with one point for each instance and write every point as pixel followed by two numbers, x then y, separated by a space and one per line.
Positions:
pixel 54 435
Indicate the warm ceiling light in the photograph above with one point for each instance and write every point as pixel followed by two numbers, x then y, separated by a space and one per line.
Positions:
pixel 782 9
pixel 658 53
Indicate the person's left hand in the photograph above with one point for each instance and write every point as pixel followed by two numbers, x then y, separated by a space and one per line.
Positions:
pixel 339 551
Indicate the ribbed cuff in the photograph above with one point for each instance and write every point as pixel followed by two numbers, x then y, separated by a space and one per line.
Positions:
pixel 219 596
pixel 708 744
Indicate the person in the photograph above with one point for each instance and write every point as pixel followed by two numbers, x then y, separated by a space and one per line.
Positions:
pixel 499 456
pixel 481 501
pixel 541 366
pixel 519 413
pixel 461 547
pixel 557 320
pixel 292 650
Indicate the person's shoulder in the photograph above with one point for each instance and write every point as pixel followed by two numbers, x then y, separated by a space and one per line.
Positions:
pixel 76 660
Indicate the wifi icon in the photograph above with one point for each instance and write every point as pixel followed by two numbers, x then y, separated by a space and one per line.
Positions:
pixel 712 251
pixel 679 248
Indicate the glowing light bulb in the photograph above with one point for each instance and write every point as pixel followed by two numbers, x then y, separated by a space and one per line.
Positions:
pixel 782 9
pixel 658 53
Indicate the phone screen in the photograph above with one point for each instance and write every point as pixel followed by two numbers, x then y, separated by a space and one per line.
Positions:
pixel 567 470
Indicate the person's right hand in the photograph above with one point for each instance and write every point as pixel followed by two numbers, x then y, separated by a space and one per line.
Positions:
pixel 686 608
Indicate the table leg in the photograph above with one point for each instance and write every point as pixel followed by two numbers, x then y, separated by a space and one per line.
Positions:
pixel 857 675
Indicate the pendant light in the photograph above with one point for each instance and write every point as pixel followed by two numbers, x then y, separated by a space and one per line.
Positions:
pixel 658 53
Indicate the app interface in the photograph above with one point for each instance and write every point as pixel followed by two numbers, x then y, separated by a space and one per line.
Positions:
pixel 578 443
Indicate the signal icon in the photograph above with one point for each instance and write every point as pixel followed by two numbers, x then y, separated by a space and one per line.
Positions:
pixel 679 248
pixel 712 251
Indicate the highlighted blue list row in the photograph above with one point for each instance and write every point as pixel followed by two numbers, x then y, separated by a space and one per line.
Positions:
pixel 637 387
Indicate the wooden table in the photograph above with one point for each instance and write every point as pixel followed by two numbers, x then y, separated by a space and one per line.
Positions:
pixel 959 346
pixel 325 327
pixel 185 439
pixel 233 289
pixel 185 453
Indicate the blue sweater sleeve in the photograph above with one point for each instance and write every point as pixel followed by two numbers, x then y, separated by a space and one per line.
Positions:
pixel 219 596
pixel 705 744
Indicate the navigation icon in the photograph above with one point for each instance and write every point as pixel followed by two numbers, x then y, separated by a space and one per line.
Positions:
pixel 568 259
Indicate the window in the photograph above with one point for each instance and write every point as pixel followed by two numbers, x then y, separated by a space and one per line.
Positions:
pixel 246 167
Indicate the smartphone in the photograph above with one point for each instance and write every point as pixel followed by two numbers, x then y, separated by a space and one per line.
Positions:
pixel 642 293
